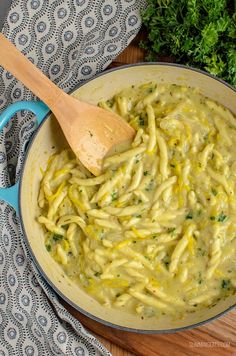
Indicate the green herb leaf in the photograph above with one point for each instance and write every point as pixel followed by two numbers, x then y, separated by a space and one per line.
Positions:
pixel 114 196
pixel 214 191
pixel 197 33
pixel 57 237
pixel 225 283
pixel 141 121
pixel 222 217
pixel 97 274
pixel 49 248
pixel 189 216
pixel 171 230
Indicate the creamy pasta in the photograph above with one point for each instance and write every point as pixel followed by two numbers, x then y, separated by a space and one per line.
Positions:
pixel 156 231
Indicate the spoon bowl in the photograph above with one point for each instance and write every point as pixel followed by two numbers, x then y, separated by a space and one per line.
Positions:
pixel 90 131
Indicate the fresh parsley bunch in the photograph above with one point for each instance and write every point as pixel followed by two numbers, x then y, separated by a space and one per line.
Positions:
pixel 199 33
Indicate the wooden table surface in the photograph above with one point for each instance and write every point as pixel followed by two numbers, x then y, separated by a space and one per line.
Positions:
pixel 217 338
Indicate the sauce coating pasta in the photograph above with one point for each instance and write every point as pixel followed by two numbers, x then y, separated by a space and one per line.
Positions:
pixel 156 231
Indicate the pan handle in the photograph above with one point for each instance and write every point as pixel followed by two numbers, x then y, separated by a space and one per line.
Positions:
pixel 10 195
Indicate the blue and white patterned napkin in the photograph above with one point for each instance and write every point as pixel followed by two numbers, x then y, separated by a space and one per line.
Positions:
pixel 70 41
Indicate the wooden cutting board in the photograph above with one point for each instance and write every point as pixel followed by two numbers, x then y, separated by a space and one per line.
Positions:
pixel 217 338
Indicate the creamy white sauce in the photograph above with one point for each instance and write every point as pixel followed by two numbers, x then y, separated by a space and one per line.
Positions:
pixel 156 232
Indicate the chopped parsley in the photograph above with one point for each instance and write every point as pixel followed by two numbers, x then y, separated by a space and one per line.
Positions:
pixel 189 216
pixel 149 186
pixel 170 230
pixel 214 191
pixel 201 252
pixel 57 237
pixel 222 217
pixel 49 248
pixel 97 274
pixel 110 103
pixel 141 121
pixel 225 284
pixel 113 196
pixel 145 173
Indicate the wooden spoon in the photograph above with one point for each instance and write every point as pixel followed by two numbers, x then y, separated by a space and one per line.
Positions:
pixel 90 131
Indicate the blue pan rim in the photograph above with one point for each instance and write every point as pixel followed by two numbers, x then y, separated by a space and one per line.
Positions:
pixel 39 268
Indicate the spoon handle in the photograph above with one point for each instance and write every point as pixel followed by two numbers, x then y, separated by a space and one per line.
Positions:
pixel 17 64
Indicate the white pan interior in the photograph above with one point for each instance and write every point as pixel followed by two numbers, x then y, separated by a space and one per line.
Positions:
pixel 50 139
